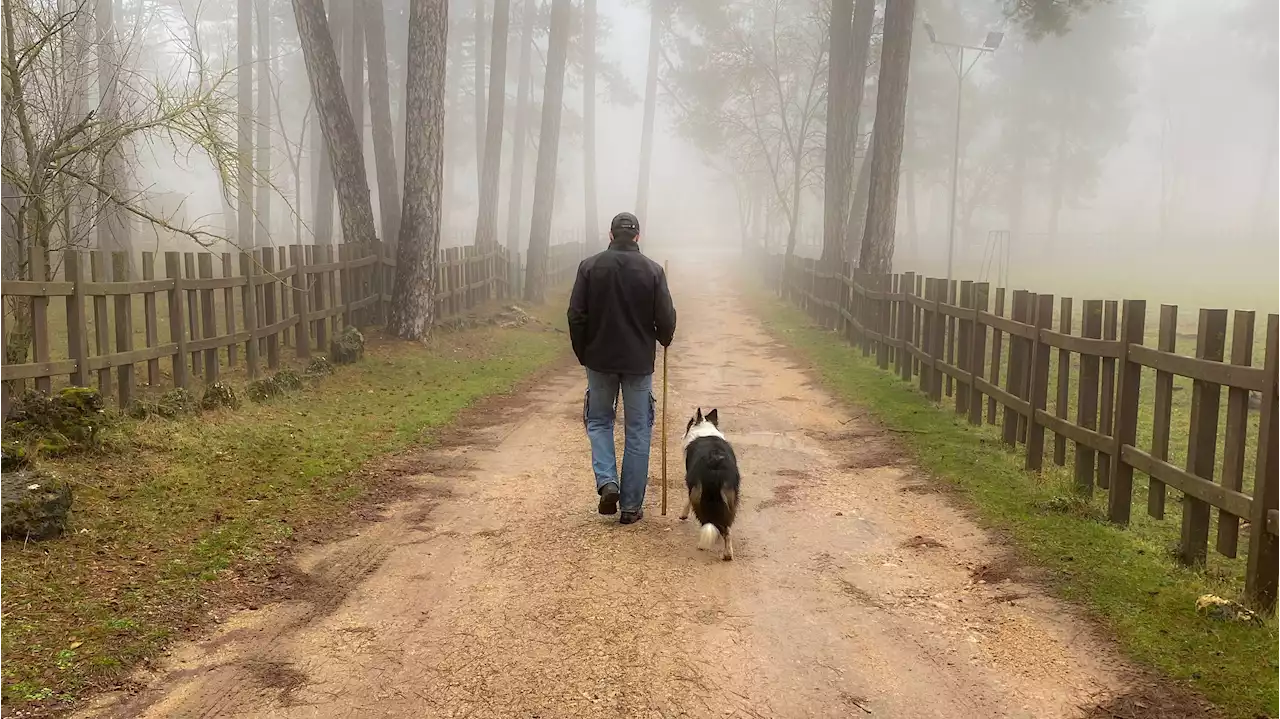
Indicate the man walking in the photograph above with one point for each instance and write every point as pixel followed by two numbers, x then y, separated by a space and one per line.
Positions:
pixel 619 310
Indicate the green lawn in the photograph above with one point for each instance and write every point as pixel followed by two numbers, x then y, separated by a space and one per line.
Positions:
pixel 1126 578
pixel 178 511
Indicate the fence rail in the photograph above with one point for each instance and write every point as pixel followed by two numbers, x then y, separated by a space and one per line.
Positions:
pixel 956 339
pixel 198 324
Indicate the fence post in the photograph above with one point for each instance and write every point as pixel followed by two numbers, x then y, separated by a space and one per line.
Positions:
pixel 1133 327
pixel 964 347
pixel 1202 439
pixel 1163 408
pixel 926 335
pixel 1038 391
pixel 1087 395
pixel 938 343
pixel 302 300
pixel 193 310
pixel 906 325
pixel 1107 396
pixel 40 318
pixel 1260 578
pixel 249 308
pixel 977 351
pixel 101 323
pixel 949 328
pixel 124 329
pixel 177 317
pixel 1015 376
pixel 1234 446
pixel 270 310
pixel 208 320
pixel 1064 383
pixel 77 326
pixel 151 317
pixel 884 284
pixel 229 308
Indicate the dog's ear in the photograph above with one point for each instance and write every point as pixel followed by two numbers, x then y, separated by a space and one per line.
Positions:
pixel 697 418
pixel 714 418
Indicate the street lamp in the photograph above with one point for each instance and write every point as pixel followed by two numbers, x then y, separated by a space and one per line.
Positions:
pixel 990 44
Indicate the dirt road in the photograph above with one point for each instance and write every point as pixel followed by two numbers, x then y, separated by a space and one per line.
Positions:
pixel 499 592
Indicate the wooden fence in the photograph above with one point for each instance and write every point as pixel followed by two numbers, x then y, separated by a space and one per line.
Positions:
pixel 194 323
pixel 956 339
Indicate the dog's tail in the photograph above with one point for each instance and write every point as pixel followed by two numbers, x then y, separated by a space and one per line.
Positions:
pixel 707 537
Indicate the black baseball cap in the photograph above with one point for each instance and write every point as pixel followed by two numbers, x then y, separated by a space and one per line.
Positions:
pixel 625 222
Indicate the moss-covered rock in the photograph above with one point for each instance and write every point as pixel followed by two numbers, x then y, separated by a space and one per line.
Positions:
pixel 287 380
pixel 177 402
pixel 319 367
pixel 347 347
pixel 219 395
pixel 67 420
pixel 15 457
pixel 261 390
pixel 35 503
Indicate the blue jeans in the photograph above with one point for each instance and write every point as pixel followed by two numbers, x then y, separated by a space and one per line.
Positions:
pixel 599 410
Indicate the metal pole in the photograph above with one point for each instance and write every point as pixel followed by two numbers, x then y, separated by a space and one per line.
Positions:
pixel 955 168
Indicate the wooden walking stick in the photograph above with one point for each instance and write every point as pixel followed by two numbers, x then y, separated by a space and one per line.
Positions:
pixel 665 266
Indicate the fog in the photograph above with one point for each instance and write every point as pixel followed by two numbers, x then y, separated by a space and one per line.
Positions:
pixel 1133 154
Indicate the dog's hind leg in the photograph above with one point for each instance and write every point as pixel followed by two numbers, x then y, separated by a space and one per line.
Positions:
pixel 688 505
pixel 728 546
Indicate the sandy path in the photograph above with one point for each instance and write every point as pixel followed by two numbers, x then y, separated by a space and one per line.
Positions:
pixel 500 592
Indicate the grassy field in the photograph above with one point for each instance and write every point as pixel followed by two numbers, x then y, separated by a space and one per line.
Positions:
pixel 178 513
pixel 1125 577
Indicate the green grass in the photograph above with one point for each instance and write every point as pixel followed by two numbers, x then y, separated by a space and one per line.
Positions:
pixel 1127 579
pixel 180 511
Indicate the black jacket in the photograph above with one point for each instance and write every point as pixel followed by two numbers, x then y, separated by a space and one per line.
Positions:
pixel 619 308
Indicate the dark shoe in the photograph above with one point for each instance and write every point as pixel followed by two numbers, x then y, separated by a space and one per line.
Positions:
pixel 631 517
pixel 608 499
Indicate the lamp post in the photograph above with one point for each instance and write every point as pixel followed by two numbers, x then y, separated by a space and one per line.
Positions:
pixel 990 44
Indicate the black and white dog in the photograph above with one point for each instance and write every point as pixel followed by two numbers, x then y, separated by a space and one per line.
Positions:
pixel 711 475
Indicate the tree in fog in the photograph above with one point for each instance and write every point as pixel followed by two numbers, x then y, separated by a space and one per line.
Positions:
pixel 481 106
pixel 65 164
pixel 544 188
pixel 345 149
pixel 244 123
pixel 262 119
pixel 487 212
pixel 846 85
pixel 656 10
pixel 384 147
pixel 413 296
pixel 876 255
pixel 591 230
pixel 751 83
pixel 515 210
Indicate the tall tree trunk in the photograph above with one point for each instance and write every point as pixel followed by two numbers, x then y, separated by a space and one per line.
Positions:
pixel 544 186
pixel 262 202
pixel 113 227
pixel 346 155
pixel 413 296
pixel 352 54
pixel 521 135
pixel 591 233
pixel 324 188
pixel 656 8
pixel 858 208
pixel 481 105
pixel 384 147
pixel 487 213
pixel 838 163
pixel 876 255
pixel 244 124
pixel 864 16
